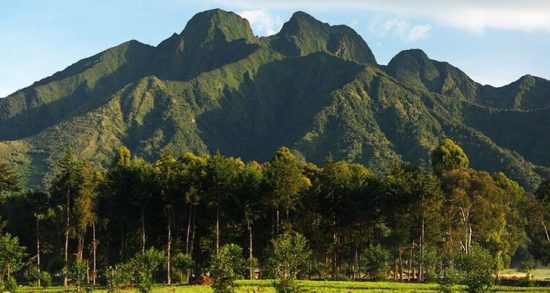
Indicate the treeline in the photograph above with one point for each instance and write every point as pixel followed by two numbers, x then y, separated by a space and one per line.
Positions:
pixel 411 222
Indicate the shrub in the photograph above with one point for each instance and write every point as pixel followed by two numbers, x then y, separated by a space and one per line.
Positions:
pixel 144 266
pixel 181 262
pixel 77 274
pixel 290 255
pixel 474 270
pixel 375 261
pixel 227 266
pixel 119 276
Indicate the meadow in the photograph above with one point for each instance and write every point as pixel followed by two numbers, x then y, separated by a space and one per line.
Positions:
pixel 265 286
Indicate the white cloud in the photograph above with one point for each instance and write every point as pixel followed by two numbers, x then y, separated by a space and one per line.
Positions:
pixel 263 23
pixel 472 15
pixel 400 28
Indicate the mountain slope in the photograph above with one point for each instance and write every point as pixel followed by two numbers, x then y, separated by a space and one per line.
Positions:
pixel 313 87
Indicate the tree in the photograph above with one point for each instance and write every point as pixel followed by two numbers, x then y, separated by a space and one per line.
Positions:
pixel 284 182
pixel 66 184
pixel 290 256
pixel 249 197
pixel 448 156
pixel 476 270
pixel 227 266
pixel 375 261
pixel 39 203
pixel 11 256
pixel 220 185
pixel 9 179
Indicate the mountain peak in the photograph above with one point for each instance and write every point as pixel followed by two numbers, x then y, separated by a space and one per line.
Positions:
pixel 303 35
pixel 216 25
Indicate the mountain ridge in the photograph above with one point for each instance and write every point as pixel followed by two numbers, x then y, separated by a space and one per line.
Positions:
pixel 313 87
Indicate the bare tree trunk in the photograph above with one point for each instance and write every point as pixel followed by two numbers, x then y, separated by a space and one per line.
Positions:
pixel 67 228
pixel 188 235
pixel 400 262
pixel 421 263
pixel 410 263
pixel 277 223
pixel 250 249
pixel 169 251
pixel 142 230
pixel 546 231
pixel 217 228
pixel 94 252
pixel 38 248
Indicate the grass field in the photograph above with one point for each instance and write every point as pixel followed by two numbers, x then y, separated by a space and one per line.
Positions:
pixel 538 274
pixel 264 286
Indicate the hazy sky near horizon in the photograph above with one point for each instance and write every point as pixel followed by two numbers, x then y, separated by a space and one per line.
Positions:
pixel 494 42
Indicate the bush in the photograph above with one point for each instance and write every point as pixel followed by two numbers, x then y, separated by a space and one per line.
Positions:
pixel 375 261
pixel 181 262
pixel 474 270
pixel 77 274
pixel 227 266
pixel 11 285
pixel 119 276
pixel 290 255
pixel 144 266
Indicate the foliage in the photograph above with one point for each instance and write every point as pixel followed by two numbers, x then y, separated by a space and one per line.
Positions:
pixel 144 265
pixel 448 156
pixel 181 262
pixel 227 266
pixel 11 257
pixel 77 274
pixel 290 255
pixel 375 261
pixel 476 270
pixel 118 276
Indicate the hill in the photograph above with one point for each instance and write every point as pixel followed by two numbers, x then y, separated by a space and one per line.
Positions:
pixel 313 87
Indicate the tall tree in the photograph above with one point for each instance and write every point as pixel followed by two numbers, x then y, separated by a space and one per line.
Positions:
pixel 39 203
pixel 284 182
pixel 66 183
pixel 249 196
pixel 220 185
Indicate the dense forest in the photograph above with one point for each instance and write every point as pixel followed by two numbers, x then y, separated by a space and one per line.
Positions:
pixel 186 207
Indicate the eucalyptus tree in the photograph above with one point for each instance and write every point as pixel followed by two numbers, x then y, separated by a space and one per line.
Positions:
pixel 249 197
pixel 284 181
pixel 220 180
pixel 39 202
pixel 65 184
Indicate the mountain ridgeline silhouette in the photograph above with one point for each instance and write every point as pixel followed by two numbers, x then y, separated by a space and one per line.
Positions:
pixel 313 87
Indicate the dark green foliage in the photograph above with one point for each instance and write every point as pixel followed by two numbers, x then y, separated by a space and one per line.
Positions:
pixel 181 263
pixel 227 266
pixel 290 255
pixel 375 261
pixel 11 259
pixel 313 87
pixel 144 266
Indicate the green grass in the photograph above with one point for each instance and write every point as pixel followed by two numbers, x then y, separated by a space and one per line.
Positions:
pixel 265 286
pixel 538 274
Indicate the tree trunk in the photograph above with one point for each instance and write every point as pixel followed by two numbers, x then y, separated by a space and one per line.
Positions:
pixel 217 228
pixel 400 262
pixel 410 263
pixel 94 252
pixel 67 228
pixel 142 230
pixel 250 249
pixel 546 232
pixel 38 248
pixel 421 263
pixel 188 235
pixel 169 251
pixel 277 223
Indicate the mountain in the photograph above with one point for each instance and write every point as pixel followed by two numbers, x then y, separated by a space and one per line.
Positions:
pixel 313 87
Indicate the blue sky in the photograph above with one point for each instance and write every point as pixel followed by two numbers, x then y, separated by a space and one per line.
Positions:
pixel 495 42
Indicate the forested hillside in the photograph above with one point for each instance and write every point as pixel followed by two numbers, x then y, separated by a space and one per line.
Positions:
pixel 184 215
pixel 313 87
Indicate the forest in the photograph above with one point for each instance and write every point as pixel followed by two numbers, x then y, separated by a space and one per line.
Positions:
pixel 187 216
